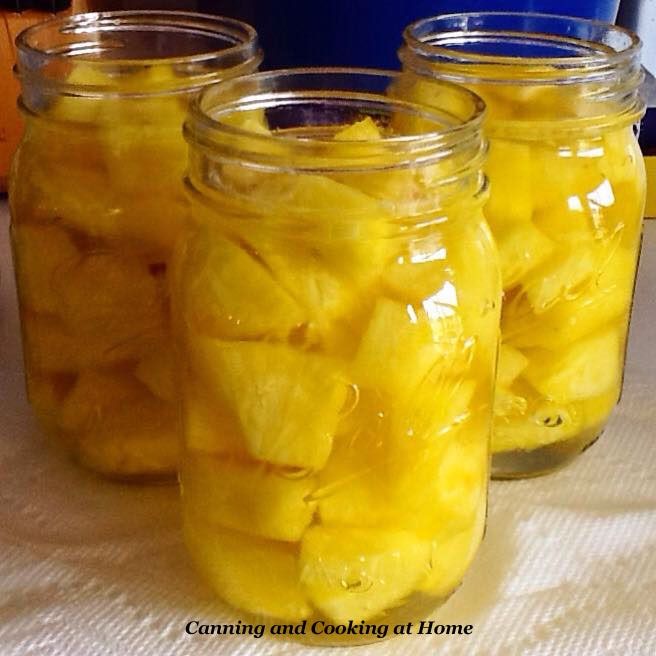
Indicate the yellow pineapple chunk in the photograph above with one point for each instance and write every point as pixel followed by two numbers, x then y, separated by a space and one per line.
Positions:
pixel 386 472
pixel 136 438
pixel 511 363
pixel 402 345
pixel 51 345
pixel 587 368
pixel 522 248
pixel 542 425
pixel 46 393
pixel 561 278
pixel 287 402
pixel 606 297
pixel 352 573
pixel 449 479
pixel 508 402
pixel 362 130
pixel 114 295
pixel 252 574
pixel 228 293
pixel 452 554
pixel 95 395
pixel 248 497
pixel 156 372
pixel 42 252
pixel 354 486
pixel 512 197
pixel 209 426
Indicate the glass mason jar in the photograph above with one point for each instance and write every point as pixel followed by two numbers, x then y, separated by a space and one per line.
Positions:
pixel 567 196
pixel 336 303
pixel 97 203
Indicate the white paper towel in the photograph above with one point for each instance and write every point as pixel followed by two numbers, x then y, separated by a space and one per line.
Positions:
pixel 568 566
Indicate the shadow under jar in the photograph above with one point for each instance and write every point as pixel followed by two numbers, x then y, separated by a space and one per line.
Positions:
pixel 336 304
pixel 97 204
pixel 567 197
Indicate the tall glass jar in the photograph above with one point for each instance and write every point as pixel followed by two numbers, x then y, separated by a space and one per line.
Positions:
pixel 567 197
pixel 336 303
pixel 97 203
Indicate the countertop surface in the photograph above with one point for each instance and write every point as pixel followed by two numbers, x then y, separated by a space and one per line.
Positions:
pixel 568 565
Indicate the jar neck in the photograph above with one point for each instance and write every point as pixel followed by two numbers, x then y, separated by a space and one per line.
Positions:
pixel 131 55
pixel 287 124
pixel 589 70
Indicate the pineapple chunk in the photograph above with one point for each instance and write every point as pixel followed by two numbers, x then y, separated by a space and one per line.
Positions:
pixel 42 254
pixel 46 393
pixel 146 212
pixel 136 439
pixel 606 298
pixel 255 575
pixel 595 411
pixel 511 364
pixel 401 346
pixel 509 169
pixel 377 478
pixel 52 346
pixel 508 403
pixel 113 295
pixel 438 406
pixel 230 294
pixel 247 498
pixel 545 424
pixel 363 130
pixel 354 487
pixel 95 395
pixel 550 422
pixel 522 248
pixel 209 427
pixel 449 272
pixel 156 372
pixel 123 173
pixel 563 178
pixel 353 573
pixel 346 228
pixel 452 555
pixel 422 269
pixel 441 491
pixel 287 402
pixel 562 278
pixel 588 368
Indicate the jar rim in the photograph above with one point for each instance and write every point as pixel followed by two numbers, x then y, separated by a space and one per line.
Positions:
pixel 196 46
pixel 417 34
pixel 82 23
pixel 204 129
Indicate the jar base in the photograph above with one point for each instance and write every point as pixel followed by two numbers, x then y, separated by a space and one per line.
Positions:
pixel 509 465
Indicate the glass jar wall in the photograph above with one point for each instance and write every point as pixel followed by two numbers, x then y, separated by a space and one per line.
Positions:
pixel 336 305
pixel 567 197
pixel 97 203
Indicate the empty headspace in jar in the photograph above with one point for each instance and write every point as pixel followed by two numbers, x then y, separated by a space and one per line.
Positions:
pixel 294 121
pixel 189 48
pixel 532 66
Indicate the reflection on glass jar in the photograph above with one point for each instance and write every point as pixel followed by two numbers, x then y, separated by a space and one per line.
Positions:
pixel 97 203
pixel 336 302
pixel 567 198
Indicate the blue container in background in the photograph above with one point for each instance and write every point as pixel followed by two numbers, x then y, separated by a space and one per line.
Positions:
pixel 368 32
